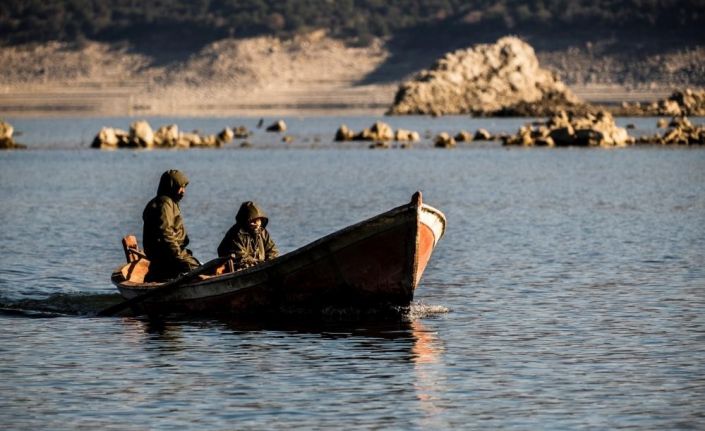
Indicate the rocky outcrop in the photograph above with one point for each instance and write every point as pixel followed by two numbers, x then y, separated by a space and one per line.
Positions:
pixel 680 103
pixel 568 129
pixel 6 140
pixel 378 132
pixel 495 79
pixel 680 132
pixel 168 136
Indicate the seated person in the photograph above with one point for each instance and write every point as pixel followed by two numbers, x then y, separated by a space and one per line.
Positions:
pixel 164 233
pixel 247 241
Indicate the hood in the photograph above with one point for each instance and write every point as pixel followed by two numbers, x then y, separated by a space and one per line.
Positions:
pixel 170 183
pixel 248 211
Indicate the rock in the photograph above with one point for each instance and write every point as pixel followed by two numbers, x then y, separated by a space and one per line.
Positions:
pixel 166 136
pixel 381 132
pixel 6 130
pixel 669 107
pixel 210 141
pixel 662 123
pixel 463 136
pixel 444 140
pixel 562 135
pixel 689 102
pixel 188 140
pixel 105 139
pixel 568 129
pixel 225 136
pixel 241 132
pixel 279 126
pixel 406 135
pixel 378 132
pixel 495 79
pixel 141 134
pixel 344 134
pixel 7 142
pixel 482 135
pixel 681 132
pixel 680 103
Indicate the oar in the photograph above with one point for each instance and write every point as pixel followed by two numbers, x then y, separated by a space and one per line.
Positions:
pixel 114 309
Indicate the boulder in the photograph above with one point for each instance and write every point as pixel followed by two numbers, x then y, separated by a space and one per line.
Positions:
pixel 141 134
pixel 444 140
pixel 225 136
pixel 6 130
pixel 166 136
pixel 482 135
pixel 279 126
pixel 568 129
pixel 490 79
pixel 6 140
pixel 241 132
pixel 379 131
pixel 344 133
pixel 106 138
pixel 690 102
pixel 463 136
pixel 406 135
pixel 686 102
pixel 188 140
pixel 209 141
pixel 681 132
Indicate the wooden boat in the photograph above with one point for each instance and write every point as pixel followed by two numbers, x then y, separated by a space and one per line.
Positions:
pixel 375 263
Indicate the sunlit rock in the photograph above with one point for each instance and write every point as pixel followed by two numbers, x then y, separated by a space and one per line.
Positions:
pixel 567 129
pixel 141 134
pixel 444 140
pixel 279 126
pixel 166 136
pixel 493 79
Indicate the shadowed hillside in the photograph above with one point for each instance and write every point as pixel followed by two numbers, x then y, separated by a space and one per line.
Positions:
pixel 154 55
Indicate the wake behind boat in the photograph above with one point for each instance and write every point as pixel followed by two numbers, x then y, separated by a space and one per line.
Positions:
pixel 375 263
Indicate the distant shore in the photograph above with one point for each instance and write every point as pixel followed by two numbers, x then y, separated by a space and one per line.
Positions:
pixel 108 101
pixel 309 75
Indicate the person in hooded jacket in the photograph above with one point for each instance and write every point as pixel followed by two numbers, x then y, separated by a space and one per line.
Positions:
pixel 164 235
pixel 248 242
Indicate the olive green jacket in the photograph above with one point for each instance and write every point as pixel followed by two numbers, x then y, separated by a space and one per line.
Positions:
pixel 164 235
pixel 248 248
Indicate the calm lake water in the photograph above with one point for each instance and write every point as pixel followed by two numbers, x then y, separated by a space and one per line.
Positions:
pixel 567 293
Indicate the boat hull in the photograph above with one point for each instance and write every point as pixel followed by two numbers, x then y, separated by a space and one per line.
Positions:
pixel 376 263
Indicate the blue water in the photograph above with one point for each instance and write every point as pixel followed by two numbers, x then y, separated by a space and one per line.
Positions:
pixel 568 292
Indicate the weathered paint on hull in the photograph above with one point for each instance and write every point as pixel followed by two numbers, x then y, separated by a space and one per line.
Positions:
pixel 375 263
